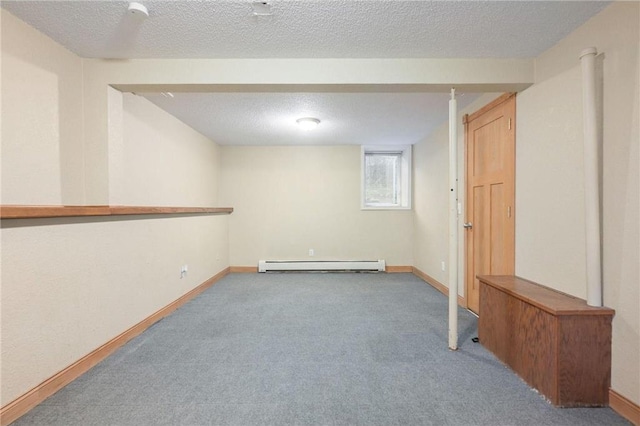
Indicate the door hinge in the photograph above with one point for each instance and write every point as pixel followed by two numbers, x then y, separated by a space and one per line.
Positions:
pixel 509 124
pixel 509 211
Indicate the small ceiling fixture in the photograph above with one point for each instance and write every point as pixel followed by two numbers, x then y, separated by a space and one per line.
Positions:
pixel 138 10
pixel 261 8
pixel 167 94
pixel 308 123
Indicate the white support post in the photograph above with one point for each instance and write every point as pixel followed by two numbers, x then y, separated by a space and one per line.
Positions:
pixel 453 222
pixel 591 177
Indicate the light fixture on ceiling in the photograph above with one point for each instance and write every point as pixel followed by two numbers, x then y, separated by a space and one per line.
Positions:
pixel 308 123
pixel 138 10
pixel 167 94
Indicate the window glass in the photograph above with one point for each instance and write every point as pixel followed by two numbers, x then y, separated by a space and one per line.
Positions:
pixel 382 178
pixel 386 177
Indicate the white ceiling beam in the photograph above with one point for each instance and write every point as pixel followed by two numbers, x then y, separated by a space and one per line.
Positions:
pixel 391 75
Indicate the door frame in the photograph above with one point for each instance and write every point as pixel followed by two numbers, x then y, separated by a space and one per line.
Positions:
pixel 466 119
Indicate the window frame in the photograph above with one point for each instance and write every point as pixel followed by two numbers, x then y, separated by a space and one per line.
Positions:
pixel 406 171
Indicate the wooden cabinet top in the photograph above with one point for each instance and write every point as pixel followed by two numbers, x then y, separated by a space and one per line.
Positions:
pixel 545 298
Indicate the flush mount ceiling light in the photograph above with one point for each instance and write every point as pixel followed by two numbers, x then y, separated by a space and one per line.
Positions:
pixel 138 10
pixel 308 123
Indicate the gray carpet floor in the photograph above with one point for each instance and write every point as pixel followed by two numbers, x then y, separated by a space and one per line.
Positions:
pixel 307 349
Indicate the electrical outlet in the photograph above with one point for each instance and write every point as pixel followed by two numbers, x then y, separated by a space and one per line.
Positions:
pixel 312 252
pixel 443 266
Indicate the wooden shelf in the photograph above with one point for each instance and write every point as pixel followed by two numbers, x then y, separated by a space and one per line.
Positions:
pixel 38 212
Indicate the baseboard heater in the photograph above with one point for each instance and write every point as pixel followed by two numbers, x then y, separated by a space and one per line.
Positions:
pixel 321 266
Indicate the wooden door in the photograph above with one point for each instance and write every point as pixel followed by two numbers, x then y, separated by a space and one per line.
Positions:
pixel 490 194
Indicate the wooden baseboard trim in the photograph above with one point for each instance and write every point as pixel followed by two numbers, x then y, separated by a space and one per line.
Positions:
pixel 398 269
pixel 20 406
pixel 243 269
pixel 437 285
pixel 623 406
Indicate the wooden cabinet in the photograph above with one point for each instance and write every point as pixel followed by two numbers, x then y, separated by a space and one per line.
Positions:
pixel 555 342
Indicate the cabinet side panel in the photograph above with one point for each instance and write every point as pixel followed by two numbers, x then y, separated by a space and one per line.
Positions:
pixel 584 361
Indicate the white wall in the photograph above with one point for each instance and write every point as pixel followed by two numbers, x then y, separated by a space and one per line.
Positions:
pixel 431 199
pixel 71 285
pixel 549 177
pixel 290 199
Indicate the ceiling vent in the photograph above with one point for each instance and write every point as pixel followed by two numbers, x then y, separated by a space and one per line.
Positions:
pixel 261 8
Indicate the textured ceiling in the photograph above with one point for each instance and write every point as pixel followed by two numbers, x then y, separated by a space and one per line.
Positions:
pixel 308 29
pixel 346 118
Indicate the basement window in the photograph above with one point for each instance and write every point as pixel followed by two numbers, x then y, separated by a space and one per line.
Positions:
pixel 386 177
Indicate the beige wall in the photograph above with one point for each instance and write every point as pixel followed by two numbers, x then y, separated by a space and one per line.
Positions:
pixel 550 239
pixel 431 199
pixel 549 182
pixel 180 164
pixel 288 200
pixel 41 117
pixel 70 285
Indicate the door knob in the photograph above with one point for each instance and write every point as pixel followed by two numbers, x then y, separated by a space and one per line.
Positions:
pixel 467 225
